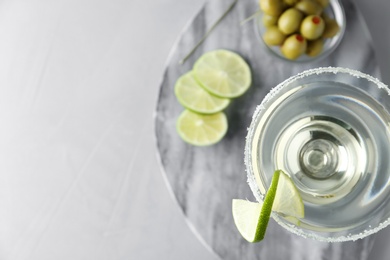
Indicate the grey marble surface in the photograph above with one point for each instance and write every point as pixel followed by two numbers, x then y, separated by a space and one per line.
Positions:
pixel 205 180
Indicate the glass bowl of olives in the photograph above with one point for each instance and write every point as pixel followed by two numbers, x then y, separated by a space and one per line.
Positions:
pixel 300 30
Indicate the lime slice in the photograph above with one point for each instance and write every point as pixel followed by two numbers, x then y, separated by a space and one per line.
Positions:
pixel 246 217
pixel 193 97
pixel 223 73
pixel 252 218
pixel 288 201
pixel 201 130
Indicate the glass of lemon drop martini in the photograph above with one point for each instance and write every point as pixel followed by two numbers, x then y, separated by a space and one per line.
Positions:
pixel 328 132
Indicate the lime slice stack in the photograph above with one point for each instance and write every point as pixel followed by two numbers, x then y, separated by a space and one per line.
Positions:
pixel 193 97
pixel 223 73
pixel 200 129
pixel 206 91
pixel 252 218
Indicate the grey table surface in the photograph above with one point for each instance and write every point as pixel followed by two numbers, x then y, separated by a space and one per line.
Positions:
pixel 79 83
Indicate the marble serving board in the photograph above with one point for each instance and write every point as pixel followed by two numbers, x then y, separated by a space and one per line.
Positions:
pixel 204 180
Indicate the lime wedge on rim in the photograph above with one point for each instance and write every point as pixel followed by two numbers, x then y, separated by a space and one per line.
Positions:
pixel 246 217
pixel 223 73
pixel 252 218
pixel 195 98
pixel 201 130
pixel 288 201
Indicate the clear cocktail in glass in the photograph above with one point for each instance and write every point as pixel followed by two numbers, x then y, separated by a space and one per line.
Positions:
pixel 329 130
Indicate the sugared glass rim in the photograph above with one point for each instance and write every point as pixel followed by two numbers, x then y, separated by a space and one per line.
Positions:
pixel 330 45
pixel 316 235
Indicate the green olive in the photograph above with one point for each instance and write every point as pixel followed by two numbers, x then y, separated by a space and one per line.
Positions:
pixel 312 27
pixel 269 20
pixel 294 46
pixel 273 36
pixel 290 2
pixel 314 47
pixel 325 16
pixel 272 7
pixel 290 20
pixel 331 28
pixel 323 3
pixel 309 7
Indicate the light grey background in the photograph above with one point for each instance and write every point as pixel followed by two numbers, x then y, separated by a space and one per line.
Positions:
pixel 78 86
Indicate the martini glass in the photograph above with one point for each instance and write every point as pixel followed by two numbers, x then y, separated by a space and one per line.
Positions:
pixel 329 130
